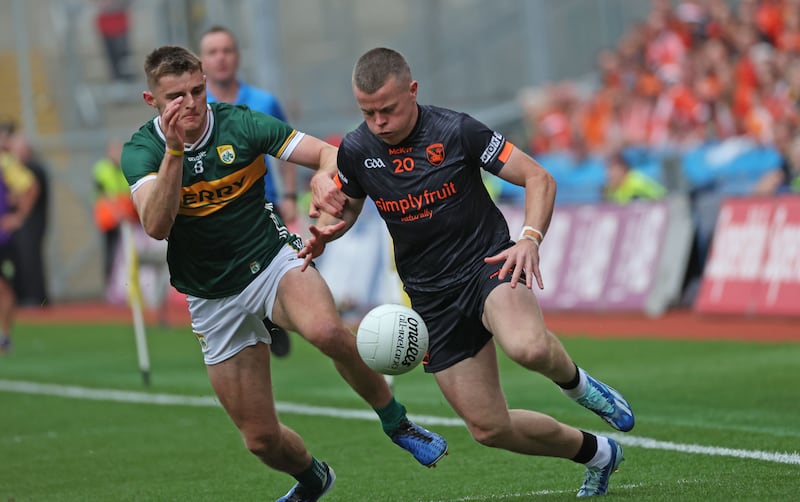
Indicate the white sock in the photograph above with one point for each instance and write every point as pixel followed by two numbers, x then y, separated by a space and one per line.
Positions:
pixel 603 455
pixel 580 390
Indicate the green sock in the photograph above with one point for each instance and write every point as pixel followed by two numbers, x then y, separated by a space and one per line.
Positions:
pixel 314 477
pixel 391 415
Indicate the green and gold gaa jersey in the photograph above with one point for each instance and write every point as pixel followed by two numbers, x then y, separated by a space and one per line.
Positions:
pixel 224 233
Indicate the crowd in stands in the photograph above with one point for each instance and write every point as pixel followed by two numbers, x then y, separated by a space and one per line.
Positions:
pixel 711 85
pixel 701 98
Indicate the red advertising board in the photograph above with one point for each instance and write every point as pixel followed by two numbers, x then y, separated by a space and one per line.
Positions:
pixel 754 263
pixel 779 288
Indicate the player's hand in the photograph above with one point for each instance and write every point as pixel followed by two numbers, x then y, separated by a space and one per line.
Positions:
pixel 325 196
pixel 174 133
pixel 522 256
pixel 315 245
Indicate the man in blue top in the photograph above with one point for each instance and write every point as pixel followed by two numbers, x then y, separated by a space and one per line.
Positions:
pixel 219 54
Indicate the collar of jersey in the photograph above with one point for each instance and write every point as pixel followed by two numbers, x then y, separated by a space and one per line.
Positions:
pixel 201 141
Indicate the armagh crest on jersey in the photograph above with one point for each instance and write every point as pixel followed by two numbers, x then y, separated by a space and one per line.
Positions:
pixel 429 191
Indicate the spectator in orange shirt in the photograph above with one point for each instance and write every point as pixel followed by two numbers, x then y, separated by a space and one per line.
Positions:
pixel 112 203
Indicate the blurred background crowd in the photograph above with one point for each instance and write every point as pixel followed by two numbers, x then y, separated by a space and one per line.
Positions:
pixel 693 73
pixel 699 98
pixel 620 100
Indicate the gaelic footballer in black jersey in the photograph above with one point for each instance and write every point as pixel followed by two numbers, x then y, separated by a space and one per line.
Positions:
pixel 429 191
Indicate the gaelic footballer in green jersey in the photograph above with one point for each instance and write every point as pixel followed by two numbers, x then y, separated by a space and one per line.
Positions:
pixel 219 241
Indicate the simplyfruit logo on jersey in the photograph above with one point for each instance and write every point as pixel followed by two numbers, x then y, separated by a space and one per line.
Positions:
pixel 415 206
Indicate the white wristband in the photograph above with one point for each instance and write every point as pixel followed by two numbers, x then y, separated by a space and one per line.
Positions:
pixel 530 238
pixel 528 232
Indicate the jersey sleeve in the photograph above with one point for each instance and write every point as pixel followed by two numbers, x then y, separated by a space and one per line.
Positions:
pixel 276 137
pixel 490 148
pixel 346 177
pixel 139 161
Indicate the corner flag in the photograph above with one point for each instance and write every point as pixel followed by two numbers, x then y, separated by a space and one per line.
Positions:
pixel 135 300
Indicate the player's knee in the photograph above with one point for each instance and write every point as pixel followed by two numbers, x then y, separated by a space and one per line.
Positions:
pixel 535 356
pixel 331 337
pixel 264 442
pixel 489 435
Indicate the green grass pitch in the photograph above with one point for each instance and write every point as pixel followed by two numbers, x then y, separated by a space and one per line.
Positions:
pixel 716 421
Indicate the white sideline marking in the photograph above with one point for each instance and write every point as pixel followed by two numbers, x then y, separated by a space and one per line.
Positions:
pixel 74 392
pixel 527 495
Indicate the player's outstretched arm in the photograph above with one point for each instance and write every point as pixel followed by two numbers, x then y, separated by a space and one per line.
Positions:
pixel 329 228
pixel 540 193
pixel 320 156
pixel 326 195
pixel 314 246
pixel 540 187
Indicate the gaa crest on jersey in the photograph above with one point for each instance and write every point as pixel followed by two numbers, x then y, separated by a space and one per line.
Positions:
pixel 254 267
pixel 435 154
pixel 226 153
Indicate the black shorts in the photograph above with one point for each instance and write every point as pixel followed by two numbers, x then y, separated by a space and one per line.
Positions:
pixel 454 317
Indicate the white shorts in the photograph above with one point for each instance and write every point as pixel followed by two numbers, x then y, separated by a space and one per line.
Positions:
pixel 225 326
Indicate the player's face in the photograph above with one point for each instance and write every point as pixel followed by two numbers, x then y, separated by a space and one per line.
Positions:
pixel 219 56
pixel 191 86
pixel 391 111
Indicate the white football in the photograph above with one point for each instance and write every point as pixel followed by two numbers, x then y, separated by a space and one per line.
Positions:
pixel 392 339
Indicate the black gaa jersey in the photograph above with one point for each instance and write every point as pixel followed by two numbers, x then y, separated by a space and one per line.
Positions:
pixel 429 191
pixel 224 233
